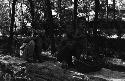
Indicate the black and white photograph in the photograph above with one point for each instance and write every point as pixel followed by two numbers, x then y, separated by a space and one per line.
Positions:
pixel 62 40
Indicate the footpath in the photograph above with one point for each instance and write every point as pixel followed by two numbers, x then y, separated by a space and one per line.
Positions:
pixel 16 69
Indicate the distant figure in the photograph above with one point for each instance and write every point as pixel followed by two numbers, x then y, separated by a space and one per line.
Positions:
pixel 42 44
pixel 34 47
pixel 70 47
pixel 38 48
pixel 29 51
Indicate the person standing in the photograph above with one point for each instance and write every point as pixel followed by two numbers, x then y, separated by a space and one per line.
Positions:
pixel 65 52
pixel 28 51
pixel 35 46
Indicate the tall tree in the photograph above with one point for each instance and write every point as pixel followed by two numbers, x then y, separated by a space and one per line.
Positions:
pixel 59 10
pixel 59 7
pixel 114 9
pixel 11 26
pixel 50 25
pixel 107 9
pixel 32 12
pixel 96 15
pixel 96 23
pixel 75 15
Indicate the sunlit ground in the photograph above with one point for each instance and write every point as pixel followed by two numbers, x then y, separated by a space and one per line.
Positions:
pixel 110 75
pixel 0 34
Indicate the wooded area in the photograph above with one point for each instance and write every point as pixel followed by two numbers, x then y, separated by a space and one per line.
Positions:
pixel 58 18
pixel 89 30
pixel 39 15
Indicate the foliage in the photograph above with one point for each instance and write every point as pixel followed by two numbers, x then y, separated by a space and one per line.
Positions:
pixel 4 16
pixel 65 13
pixel 63 10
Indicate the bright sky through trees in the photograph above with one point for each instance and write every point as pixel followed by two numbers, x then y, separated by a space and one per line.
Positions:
pixel 119 4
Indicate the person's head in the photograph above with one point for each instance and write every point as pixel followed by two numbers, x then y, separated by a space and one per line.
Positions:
pixel 69 30
pixel 81 22
pixel 41 33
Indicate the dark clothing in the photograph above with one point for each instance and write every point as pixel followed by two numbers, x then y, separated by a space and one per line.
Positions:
pixel 38 48
pixel 71 48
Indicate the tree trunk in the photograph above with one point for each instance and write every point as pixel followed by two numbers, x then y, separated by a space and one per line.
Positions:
pixel 32 13
pixel 12 26
pixel 50 25
pixel 59 8
pixel 75 15
pixel 96 15
pixel 96 24
pixel 107 9
pixel 114 9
